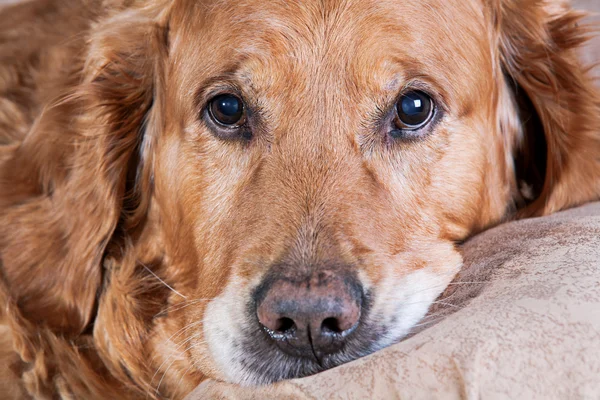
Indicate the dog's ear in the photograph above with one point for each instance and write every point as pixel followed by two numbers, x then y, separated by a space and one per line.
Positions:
pixel 64 188
pixel 555 134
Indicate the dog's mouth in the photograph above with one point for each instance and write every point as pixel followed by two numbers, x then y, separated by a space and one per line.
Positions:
pixel 267 359
pixel 290 327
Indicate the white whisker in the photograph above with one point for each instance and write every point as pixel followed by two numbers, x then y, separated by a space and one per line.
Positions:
pixel 180 306
pixel 439 318
pixel 183 375
pixel 185 328
pixel 163 282
pixel 176 352
pixel 446 304
pixel 174 360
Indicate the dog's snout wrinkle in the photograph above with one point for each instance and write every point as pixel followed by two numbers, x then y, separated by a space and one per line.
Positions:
pixel 312 346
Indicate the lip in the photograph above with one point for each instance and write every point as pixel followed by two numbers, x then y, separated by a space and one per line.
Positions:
pixel 269 364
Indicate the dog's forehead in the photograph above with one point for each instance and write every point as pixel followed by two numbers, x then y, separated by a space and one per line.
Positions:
pixel 350 46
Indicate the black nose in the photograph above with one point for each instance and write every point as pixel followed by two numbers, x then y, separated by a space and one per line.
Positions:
pixel 310 317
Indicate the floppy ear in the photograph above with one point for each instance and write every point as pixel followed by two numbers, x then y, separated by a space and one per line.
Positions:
pixel 557 129
pixel 63 189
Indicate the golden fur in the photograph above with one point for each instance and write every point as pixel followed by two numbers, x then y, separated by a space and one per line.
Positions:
pixel 112 187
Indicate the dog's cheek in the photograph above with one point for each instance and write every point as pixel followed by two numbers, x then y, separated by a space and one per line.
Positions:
pixel 402 298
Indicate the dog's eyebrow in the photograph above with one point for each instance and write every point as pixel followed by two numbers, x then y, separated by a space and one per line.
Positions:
pixel 397 70
pixel 414 75
pixel 392 85
pixel 232 76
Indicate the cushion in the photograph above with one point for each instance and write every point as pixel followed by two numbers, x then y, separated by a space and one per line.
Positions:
pixel 521 320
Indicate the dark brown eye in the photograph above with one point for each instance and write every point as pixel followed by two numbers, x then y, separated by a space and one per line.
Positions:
pixel 414 110
pixel 227 109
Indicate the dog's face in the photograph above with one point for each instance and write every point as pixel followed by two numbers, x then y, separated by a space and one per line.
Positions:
pixel 324 159
pixel 254 190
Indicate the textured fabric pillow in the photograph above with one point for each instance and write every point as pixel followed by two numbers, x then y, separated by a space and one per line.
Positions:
pixel 522 320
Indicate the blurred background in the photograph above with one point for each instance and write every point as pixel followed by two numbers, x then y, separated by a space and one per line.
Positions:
pixel 591 53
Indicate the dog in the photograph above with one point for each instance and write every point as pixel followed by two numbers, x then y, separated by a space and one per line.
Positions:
pixel 254 191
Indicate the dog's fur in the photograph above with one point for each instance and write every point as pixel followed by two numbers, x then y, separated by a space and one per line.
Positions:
pixel 132 238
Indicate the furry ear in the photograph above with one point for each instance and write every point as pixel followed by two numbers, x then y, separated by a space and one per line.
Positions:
pixel 536 50
pixel 64 188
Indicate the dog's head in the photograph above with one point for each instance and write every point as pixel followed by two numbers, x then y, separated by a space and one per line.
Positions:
pixel 298 174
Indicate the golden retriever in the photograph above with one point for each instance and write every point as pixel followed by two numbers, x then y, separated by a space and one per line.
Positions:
pixel 254 190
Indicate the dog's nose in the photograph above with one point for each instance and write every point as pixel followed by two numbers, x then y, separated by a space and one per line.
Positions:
pixel 312 317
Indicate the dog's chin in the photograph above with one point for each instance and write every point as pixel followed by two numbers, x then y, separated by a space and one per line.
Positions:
pixel 259 361
pixel 263 363
pixel 252 358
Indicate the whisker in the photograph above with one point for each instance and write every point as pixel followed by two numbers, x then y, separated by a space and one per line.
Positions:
pixel 446 304
pixel 185 328
pixel 440 318
pixel 436 287
pixel 438 314
pixel 176 352
pixel 184 374
pixel 176 334
pixel 192 364
pixel 174 360
pixel 180 306
pixel 163 282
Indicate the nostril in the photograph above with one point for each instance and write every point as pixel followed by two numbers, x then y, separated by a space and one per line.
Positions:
pixel 285 325
pixel 331 325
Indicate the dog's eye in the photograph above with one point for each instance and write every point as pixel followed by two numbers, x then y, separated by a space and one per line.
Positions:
pixel 413 110
pixel 227 109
